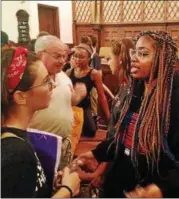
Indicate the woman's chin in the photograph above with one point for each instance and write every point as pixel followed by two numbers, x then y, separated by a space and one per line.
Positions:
pixel 135 75
pixel 47 104
pixel 44 106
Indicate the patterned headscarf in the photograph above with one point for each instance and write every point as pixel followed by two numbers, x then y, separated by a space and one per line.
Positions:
pixel 17 68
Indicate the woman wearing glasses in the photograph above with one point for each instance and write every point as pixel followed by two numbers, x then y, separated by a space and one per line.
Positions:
pixel 145 150
pixel 26 88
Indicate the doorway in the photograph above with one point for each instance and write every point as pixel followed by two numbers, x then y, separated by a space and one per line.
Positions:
pixel 49 19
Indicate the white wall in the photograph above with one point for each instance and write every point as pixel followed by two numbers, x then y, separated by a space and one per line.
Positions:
pixel 65 18
pixel 9 20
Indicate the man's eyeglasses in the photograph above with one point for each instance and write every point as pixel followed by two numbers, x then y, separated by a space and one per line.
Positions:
pixel 139 53
pixel 57 56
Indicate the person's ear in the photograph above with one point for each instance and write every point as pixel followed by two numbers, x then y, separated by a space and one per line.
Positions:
pixel 20 97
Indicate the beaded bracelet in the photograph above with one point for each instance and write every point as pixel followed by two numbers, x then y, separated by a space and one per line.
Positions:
pixel 65 186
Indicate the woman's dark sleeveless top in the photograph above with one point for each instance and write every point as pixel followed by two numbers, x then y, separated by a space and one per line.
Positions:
pixel 85 103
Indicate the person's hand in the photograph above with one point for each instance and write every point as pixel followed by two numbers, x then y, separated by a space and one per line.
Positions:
pixel 94 178
pixel 98 175
pixel 96 181
pixel 57 180
pixel 89 162
pixel 86 155
pixel 150 191
pixel 72 167
pixel 75 164
pixel 80 90
pixel 85 176
pixel 91 177
pixel 71 180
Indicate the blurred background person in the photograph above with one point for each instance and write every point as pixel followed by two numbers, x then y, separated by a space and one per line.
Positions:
pixel 82 73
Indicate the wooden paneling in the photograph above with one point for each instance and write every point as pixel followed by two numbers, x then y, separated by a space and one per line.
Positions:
pixel 88 29
pixel 109 32
pixel 84 30
pixel 118 19
pixel 173 29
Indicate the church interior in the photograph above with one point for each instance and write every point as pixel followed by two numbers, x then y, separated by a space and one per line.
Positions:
pixel 75 134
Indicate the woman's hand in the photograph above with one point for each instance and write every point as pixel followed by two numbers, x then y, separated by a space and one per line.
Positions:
pixel 98 175
pixel 87 155
pixel 89 163
pixel 70 179
pixel 150 191
pixel 96 181
pixel 85 176
pixel 57 180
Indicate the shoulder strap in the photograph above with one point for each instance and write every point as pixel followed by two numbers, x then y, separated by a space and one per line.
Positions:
pixel 6 135
pixel 90 71
pixel 90 75
pixel 72 71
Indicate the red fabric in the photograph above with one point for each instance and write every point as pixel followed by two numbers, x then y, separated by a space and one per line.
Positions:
pixel 128 136
pixel 17 67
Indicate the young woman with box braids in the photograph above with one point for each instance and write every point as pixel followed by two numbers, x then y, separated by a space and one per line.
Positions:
pixel 145 150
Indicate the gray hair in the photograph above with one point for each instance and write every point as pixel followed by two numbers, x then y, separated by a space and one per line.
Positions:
pixel 44 42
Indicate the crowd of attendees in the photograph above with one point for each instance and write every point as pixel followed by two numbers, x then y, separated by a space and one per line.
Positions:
pixel 51 88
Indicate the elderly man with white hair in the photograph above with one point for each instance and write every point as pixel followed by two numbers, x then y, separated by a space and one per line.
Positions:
pixel 58 117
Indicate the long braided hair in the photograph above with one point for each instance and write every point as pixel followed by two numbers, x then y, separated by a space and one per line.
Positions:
pixel 153 123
